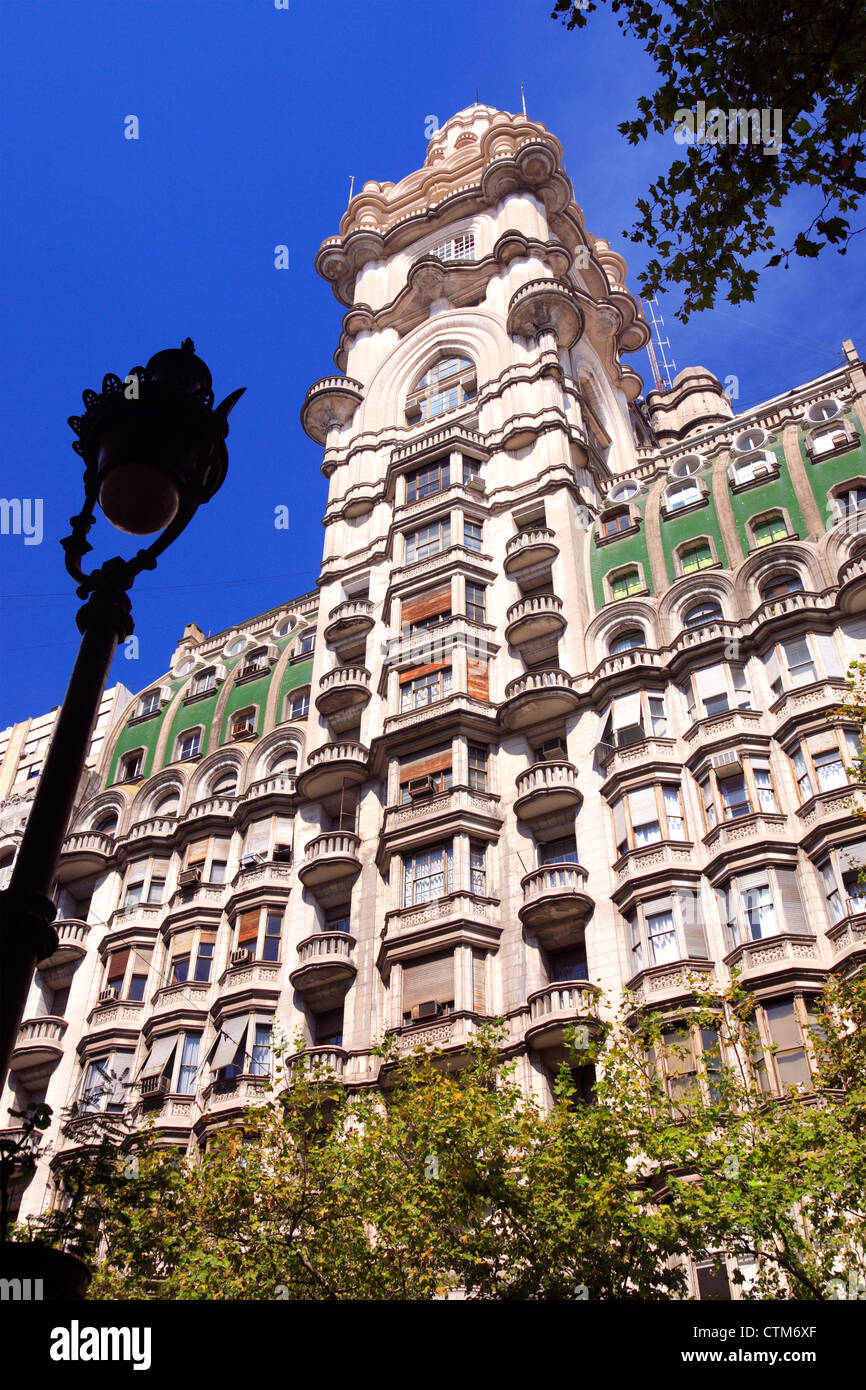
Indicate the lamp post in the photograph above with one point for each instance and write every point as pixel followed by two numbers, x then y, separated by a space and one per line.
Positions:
pixel 154 451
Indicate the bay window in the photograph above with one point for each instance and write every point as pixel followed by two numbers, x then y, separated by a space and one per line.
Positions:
pixel 665 929
pixel 844 893
pixel 417 690
pixel 715 689
pixel 207 859
pixel 428 988
pixel 646 815
pixel 822 762
pixel 737 786
pixel 427 775
pixel 687 1061
pixel 259 931
pixel 428 540
pixel 779 1043
pixel 633 718
pixel 801 661
pixel 242 1048
pixel 126 971
pixel 428 874
pixel 761 904
pixel 427 480
pixel 145 883
pixel 106 1082
pixel 191 957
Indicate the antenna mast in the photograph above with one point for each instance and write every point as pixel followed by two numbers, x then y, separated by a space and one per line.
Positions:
pixel 658 322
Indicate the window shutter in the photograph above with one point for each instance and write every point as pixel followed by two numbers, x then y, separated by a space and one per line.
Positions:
pixel 159 868
pixel 423 670
pixel 479 982
pixel 477 680
pixel 711 681
pixel 691 915
pixel 828 652
pixel 248 927
pixel 746 882
pixel 196 854
pixel 619 821
pixel 655 906
pixel 283 830
pixel 427 605
pixel 428 979
pixel 221 849
pixel 182 943
pixel 160 1055
pixel 434 760
pixel 792 914
pixel 258 837
pixel 642 804
pixel 118 962
pixel 232 1033
pixel 771 666
pixel 626 711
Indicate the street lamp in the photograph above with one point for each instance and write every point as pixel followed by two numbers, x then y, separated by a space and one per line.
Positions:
pixel 154 450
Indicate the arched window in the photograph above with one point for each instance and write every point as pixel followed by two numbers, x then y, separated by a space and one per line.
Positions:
pixel 708 611
pixel 785 582
pixel 286 761
pixel 107 824
pixel 768 529
pixel 284 627
pixel 625 583
pixel 167 805
pixel 627 641
pixel 226 784
pixel 236 646
pixel 447 385
pixel 698 555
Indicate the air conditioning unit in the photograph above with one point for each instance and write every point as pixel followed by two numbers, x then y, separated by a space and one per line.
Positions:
pixel 476 483
pixel 251 861
pixel 109 994
pixel 187 877
pixel 727 762
pixel 241 956
pixel 253 668
pixel 838 440
pixel 427 1010
pixel 420 786
pixel 761 470
pixel 242 733
pixel 283 854
pixel 154 1086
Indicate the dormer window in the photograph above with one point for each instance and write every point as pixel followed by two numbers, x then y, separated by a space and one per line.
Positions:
pixel 684 467
pixel 614 522
pixel 623 492
pixel 447 385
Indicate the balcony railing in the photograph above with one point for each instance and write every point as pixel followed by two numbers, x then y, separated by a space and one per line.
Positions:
pixel 331 856
pixel 534 617
pixel 546 787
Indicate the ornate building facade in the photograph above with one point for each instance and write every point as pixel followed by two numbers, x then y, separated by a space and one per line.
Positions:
pixel 556 723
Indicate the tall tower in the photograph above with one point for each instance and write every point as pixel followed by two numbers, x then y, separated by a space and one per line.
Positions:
pixel 482 418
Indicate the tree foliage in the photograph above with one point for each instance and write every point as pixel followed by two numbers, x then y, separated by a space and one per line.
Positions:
pixel 710 214
pixel 456 1184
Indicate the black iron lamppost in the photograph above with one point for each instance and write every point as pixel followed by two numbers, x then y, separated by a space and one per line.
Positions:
pixel 154 450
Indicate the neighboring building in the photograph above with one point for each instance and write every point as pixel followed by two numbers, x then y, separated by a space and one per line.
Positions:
pixel 22 752
pixel 557 722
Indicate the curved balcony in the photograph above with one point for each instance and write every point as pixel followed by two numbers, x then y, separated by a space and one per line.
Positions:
pixel 852 585
pixel 331 401
pixel 558 1007
pixel 156 830
pixel 325 963
pixel 555 905
pixel 332 766
pixel 546 304
pixel 539 615
pixel 318 1060
pixel 789 955
pixel 536 546
pixel 345 687
pixel 351 619
pixel 218 808
pixel 536 696
pixel 84 852
pixel 330 858
pixel 71 943
pixel 546 787
pixel 39 1044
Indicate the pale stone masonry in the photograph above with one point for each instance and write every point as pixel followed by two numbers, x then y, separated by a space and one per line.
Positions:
pixel 557 722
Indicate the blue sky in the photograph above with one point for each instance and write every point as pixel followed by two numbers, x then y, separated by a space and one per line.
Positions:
pixel 252 121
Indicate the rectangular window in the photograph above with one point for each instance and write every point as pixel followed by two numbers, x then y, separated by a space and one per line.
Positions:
pixel 764 785
pixel 261 1058
pixel 674 813
pixel 475 602
pixel 471 470
pixel 634 941
pixel 829 770
pixel 188 1064
pixel 473 532
pixel 137 986
pixel 273 931
pixel 426 689
pixel 427 481
pixel 299 706
pixel 189 744
pixel 477 870
pixel 428 875
pixel 735 796
pixel 180 969
pixel 429 540
pixel 783 1026
pixel 562 851
pixel 204 962
pixel 477 767
pixel 801 667
pixel 662 936
pixel 149 703
pixel 801 772
pixel 759 911
pixel 155 890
